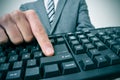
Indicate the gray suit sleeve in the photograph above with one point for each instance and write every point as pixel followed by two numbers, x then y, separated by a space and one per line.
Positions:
pixel 83 17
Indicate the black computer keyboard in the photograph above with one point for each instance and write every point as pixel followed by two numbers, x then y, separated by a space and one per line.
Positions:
pixel 88 54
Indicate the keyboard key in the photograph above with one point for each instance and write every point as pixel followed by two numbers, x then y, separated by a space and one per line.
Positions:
pixel 94 39
pixel 71 38
pixel 31 63
pixel 13 58
pixel 29 47
pixel 90 35
pixel 51 70
pixel 116 49
pixel 118 40
pixel 14 75
pixel 113 58
pixel 2 60
pixel 26 56
pixel 93 52
pixel 24 51
pixel 78 32
pixel 56 59
pixel 37 54
pixel 85 30
pixel 110 43
pixel 32 73
pixel 60 48
pixel 9 49
pixel 101 61
pixel 4 67
pixel 69 67
pixel 85 41
pixel 78 49
pixel 2 54
pixel 105 38
pixel 13 52
pixel 34 49
pixel 89 46
pixel 19 48
pixel 100 46
pixel 18 65
pixel 109 32
pixel 99 34
pixel 74 42
pixel 70 34
pixel 87 64
pixel 60 40
pixel 117 32
pixel 114 36
pixel 81 37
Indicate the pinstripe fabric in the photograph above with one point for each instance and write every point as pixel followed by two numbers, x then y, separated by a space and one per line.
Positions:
pixel 51 11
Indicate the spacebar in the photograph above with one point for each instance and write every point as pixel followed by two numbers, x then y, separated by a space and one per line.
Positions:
pixel 56 59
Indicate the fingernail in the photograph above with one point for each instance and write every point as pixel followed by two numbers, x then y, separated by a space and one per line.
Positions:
pixel 49 51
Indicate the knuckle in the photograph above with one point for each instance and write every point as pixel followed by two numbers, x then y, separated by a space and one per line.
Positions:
pixel 28 38
pixel 5 18
pixel 17 40
pixel 17 14
pixel 6 21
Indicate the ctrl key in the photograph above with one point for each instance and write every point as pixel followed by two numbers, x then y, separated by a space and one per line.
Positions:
pixel 14 75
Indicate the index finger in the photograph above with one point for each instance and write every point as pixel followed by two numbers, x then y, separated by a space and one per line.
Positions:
pixel 39 33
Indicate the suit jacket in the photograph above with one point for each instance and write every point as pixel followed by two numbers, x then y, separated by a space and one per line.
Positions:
pixel 70 15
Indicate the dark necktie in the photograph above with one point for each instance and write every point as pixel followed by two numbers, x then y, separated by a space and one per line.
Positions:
pixel 51 11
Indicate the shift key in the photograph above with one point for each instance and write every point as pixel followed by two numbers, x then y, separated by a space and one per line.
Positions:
pixel 56 59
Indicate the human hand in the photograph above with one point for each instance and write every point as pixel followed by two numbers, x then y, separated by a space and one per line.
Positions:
pixel 21 26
